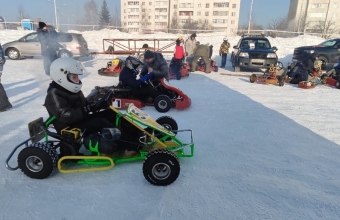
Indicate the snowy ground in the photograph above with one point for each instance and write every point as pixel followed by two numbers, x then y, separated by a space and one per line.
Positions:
pixel 262 152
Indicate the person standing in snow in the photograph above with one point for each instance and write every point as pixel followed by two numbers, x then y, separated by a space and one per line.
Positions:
pixel 49 45
pixel 4 102
pixel 177 60
pixel 224 50
pixel 190 45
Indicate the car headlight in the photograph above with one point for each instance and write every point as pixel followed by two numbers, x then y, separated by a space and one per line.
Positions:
pixel 271 55
pixel 309 51
pixel 243 54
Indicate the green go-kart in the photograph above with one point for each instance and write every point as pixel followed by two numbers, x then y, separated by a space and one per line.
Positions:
pixel 160 152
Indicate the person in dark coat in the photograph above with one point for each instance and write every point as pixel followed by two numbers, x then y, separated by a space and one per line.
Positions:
pixel 155 63
pixel 49 45
pixel 4 102
pixel 309 63
pixel 128 77
pixel 67 103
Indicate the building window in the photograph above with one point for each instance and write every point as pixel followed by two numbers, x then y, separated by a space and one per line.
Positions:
pixel 175 6
pixel 232 22
pixel 143 3
pixel 149 17
pixel 133 30
pixel 186 13
pixel 150 3
pixel 336 5
pixel 124 4
pixel 199 13
pixel 220 13
pixel 161 3
pixel 199 5
pixel 207 5
pixel 124 17
pixel 124 11
pixel 221 5
pixel 143 9
pixel 161 16
pixel 206 13
pixel 133 9
pixel 233 5
pixel 317 14
pixel 334 15
pixel 150 10
pixel 161 9
pixel 163 24
pixel 133 3
pixel 133 23
pixel 186 5
pixel 132 16
pixel 220 21
pixel 319 5
pixel 233 14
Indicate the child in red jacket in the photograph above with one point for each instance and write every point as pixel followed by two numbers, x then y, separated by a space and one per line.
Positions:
pixel 177 60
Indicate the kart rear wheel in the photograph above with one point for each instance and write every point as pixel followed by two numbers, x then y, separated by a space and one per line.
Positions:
pixel 253 78
pixel 216 69
pixel 37 161
pixel 162 103
pixel 161 167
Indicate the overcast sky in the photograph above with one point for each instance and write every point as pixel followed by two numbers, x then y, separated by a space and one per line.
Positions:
pixel 263 10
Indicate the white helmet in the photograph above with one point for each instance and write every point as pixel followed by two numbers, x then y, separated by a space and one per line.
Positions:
pixel 61 70
pixel 225 39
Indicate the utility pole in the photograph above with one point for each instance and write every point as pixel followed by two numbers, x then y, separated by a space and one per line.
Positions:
pixel 251 11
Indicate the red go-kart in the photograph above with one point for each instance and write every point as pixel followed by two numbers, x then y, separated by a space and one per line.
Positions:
pixel 171 97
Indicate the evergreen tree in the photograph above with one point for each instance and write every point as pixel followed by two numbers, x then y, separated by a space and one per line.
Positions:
pixel 104 17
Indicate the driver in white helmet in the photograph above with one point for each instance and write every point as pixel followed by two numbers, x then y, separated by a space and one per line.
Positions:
pixel 67 103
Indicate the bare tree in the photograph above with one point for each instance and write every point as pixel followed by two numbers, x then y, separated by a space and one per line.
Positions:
pixel 278 24
pixel 301 23
pixel 204 25
pixel 174 23
pixel 325 28
pixel 144 19
pixel 91 16
pixel 22 12
pixel 115 20
pixel 191 25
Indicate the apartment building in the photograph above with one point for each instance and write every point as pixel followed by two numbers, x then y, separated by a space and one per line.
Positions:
pixel 149 15
pixel 316 16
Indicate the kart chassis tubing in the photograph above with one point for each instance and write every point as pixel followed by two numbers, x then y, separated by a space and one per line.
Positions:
pixel 109 162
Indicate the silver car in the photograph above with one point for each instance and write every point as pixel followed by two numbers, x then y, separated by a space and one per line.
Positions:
pixel 74 45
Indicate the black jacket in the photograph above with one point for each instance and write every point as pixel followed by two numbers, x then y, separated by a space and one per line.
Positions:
pixel 128 78
pixel 43 39
pixel 309 63
pixel 66 106
pixel 53 39
pixel 159 66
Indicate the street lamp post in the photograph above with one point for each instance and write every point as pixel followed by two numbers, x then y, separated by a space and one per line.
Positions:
pixel 251 10
pixel 56 16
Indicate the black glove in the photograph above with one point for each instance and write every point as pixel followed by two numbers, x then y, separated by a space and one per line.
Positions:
pixel 101 103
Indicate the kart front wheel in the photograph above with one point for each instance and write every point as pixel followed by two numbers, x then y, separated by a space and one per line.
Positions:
pixel 168 122
pixel 253 78
pixel 162 103
pixel 161 167
pixel 37 161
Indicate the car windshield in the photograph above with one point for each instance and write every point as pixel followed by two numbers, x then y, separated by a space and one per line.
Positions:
pixel 328 43
pixel 255 44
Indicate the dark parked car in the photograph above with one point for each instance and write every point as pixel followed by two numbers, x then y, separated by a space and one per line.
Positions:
pixel 253 51
pixel 329 51
pixel 27 46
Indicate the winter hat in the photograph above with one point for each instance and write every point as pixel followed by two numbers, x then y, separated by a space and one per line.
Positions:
pixel 42 24
pixel 149 54
pixel 193 35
